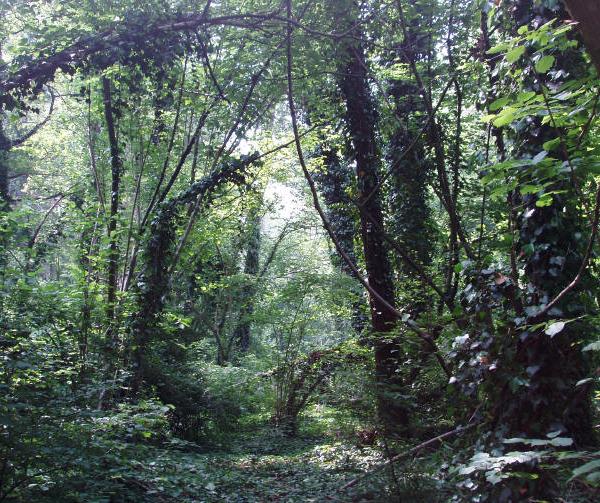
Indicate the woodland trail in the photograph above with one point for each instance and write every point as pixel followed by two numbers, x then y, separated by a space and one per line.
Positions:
pixel 260 464
pixel 262 467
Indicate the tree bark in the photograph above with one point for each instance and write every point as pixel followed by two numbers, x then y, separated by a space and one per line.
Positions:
pixel 116 167
pixel 361 121
pixel 587 14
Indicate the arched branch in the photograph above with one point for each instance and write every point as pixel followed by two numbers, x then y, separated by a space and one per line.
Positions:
pixel 9 144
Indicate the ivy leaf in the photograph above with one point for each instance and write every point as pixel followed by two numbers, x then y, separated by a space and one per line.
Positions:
pixel 594 346
pixel 514 54
pixel 554 328
pixel 544 64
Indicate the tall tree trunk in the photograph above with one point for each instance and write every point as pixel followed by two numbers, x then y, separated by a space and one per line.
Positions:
pixel 411 215
pixel 251 269
pixel 4 184
pixel 4 204
pixel 360 117
pixel 116 167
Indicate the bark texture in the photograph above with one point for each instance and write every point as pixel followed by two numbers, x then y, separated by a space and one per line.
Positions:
pixel 361 123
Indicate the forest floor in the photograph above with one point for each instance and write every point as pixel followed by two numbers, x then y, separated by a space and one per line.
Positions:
pixel 262 465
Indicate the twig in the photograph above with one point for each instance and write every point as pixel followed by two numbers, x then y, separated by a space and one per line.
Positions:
pixel 36 233
pixel 584 262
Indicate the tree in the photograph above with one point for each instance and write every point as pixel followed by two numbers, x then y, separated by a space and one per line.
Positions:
pixel 360 119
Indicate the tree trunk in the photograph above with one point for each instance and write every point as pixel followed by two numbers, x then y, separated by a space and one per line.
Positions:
pixel 587 14
pixel 242 330
pixel 116 167
pixel 333 185
pixel 4 181
pixel 411 215
pixel 550 250
pixel 360 117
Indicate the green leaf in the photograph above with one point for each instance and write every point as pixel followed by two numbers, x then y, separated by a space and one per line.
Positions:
pixel 545 200
pixel 498 104
pixel 565 95
pixel 544 64
pixel 508 115
pixel 529 189
pixel 526 96
pixel 551 144
pixel 561 442
pixel 525 475
pixel 539 157
pixel 499 48
pixel 586 468
pixel 514 54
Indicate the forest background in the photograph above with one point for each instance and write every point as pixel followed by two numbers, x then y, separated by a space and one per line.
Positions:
pixel 299 251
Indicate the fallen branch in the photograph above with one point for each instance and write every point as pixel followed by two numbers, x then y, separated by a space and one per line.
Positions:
pixel 398 457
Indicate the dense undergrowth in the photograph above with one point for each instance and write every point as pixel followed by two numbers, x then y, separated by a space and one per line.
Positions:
pixel 58 445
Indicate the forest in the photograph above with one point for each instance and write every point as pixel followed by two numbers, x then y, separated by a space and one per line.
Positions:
pixel 299 251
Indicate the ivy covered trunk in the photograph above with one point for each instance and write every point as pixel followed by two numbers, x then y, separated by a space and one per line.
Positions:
pixel 408 195
pixel 116 167
pixel 334 184
pixel 361 122
pixel 4 184
pixel 4 207
pixel 551 245
pixel 251 269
